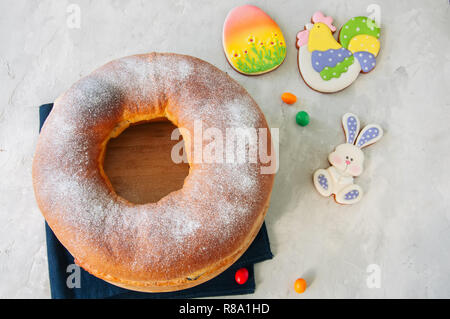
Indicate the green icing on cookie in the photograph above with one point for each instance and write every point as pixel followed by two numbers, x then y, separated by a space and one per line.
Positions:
pixel 328 73
pixel 355 26
pixel 260 58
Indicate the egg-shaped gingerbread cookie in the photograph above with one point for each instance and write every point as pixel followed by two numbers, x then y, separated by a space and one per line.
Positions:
pixel 252 41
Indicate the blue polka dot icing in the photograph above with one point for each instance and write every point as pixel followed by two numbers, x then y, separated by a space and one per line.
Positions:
pixel 351 195
pixel 368 135
pixel 323 181
pixel 352 126
pixel 330 58
pixel 366 60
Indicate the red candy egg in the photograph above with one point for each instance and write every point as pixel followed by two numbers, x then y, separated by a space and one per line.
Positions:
pixel 241 276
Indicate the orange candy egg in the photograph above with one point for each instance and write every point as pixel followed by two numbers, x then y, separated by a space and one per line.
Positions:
pixel 288 98
pixel 300 285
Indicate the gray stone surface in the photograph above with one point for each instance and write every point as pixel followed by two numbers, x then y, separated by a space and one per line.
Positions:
pixel 402 224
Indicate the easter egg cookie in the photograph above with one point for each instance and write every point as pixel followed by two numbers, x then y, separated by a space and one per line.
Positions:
pixel 328 65
pixel 252 41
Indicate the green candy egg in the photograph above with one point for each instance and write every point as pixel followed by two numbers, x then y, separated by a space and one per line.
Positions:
pixel 302 118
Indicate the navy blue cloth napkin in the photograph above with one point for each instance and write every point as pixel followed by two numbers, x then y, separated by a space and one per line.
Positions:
pixel 91 287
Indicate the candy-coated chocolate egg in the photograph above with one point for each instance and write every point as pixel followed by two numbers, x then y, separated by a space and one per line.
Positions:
pixel 241 276
pixel 300 285
pixel 302 118
pixel 288 98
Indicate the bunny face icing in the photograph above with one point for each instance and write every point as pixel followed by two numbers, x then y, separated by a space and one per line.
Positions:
pixel 348 159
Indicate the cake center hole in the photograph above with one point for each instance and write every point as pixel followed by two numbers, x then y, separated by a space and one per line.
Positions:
pixel 138 162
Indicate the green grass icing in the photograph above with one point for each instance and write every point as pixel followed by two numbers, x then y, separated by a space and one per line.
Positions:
pixel 260 58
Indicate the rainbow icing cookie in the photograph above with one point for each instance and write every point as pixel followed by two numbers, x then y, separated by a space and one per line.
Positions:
pixel 252 41
pixel 328 65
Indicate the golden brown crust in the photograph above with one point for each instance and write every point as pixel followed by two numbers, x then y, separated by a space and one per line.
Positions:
pixel 196 232
pixel 201 276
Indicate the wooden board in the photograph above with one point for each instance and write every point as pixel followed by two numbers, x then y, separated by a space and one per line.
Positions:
pixel 139 165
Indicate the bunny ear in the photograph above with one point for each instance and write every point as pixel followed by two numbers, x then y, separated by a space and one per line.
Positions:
pixel 369 135
pixel 351 125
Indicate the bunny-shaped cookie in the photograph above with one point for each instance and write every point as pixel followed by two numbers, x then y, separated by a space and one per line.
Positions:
pixel 347 161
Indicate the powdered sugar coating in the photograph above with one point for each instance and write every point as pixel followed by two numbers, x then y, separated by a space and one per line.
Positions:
pixel 208 219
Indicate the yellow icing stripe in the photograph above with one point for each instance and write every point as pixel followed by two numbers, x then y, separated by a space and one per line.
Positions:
pixel 363 42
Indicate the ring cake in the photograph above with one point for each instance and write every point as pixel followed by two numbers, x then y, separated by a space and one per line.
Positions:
pixel 189 236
